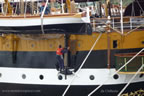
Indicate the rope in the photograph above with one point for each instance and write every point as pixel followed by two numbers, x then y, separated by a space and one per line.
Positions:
pixel 140 6
pixel 115 72
pixel 82 65
pixel 25 8
pixel 42 16
pixel 134 29
pixel 130 80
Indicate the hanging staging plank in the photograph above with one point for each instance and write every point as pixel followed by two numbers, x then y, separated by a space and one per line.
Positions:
pixel 133 66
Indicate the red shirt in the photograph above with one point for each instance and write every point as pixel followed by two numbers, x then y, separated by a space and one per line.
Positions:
pixel 58 52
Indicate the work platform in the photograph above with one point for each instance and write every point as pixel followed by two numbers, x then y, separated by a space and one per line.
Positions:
pixel 131 67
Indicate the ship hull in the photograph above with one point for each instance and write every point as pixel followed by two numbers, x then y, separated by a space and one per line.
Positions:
pixel 9 89
pixel 71 28
pixel 43 82
pixel 43 59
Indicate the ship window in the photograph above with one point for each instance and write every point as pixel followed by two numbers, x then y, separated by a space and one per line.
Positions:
pixel 114 43
pixel 41 77
pixel 92 77
pixel 23 76
pixel 115 76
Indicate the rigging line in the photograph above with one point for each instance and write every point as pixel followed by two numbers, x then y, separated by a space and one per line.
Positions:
pixel 82 64
pixel 133 29
pixel 133 11
pixel 25 8
pixel 140 6
pixel 115 73
pixel 42 17
pixel 130 80
pixel 16 7
pixel 115 29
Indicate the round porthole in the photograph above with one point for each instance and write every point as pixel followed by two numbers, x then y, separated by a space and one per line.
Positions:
pixel 41 77
pixel 60 77
pixel 23 76
pixel 0 74
pixel 141 75
pixel 115 76
pixel 91 77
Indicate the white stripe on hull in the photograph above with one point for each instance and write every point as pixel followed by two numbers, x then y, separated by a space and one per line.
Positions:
pixel 21 22
pixel 14 75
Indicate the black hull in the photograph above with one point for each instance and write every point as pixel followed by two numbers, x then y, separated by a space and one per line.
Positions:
pixel 7 89
pixel 27 59
pixel 79 28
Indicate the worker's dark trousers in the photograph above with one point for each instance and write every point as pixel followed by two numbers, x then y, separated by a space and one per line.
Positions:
pixel 60 61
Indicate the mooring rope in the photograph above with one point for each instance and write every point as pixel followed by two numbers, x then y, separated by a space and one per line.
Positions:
pixel 115 72
pixel 130 80
pixel 82 65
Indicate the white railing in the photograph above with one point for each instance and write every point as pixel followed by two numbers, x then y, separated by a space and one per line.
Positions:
pixel 131 23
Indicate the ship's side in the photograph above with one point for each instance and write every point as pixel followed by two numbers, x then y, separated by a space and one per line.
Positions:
pixel 28 61
pixel 28 66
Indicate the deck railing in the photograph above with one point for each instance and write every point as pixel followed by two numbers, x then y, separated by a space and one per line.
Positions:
pixel 129 23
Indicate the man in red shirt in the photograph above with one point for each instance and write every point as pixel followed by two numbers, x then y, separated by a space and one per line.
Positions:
pixel 59 56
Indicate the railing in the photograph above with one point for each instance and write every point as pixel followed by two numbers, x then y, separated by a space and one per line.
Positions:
pixel 129 23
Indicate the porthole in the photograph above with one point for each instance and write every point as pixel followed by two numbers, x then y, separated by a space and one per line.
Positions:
pixel 116 76
pixel 0 74
pixel 41 77
pixel 23 76
pixel 91 77
pixel 60 77
pixel 141 75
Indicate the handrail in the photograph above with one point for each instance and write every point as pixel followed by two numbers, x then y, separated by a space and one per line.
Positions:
pixel 115 72
pixel 81 65
pixel 128 23
pixel 130 80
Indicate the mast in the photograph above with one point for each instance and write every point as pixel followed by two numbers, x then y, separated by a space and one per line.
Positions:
pixel 9 8
pixel 21 7
pixel 108 35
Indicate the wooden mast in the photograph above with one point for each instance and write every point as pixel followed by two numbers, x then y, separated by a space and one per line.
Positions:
pixel 108 36
pixel 8 7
